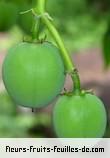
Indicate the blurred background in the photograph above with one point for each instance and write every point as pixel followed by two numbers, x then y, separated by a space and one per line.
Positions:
pixel 85 27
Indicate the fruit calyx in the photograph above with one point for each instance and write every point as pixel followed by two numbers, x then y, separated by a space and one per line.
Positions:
pixel 78 93
pixel 40 41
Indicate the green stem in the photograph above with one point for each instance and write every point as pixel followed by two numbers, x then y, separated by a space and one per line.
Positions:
pixel 40 6
pixel 76 80
pixel 67 60
pixel 36 29
pixel 40 10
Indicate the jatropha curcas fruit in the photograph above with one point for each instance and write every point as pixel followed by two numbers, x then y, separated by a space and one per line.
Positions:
pixel 33 73
pixel 79 116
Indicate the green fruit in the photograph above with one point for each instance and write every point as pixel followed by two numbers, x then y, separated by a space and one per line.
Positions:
pixel 7 106
pixel 33 73
pixel 79 117
pixel 8 15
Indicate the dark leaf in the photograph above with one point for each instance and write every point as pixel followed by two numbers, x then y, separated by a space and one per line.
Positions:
pixel 106 48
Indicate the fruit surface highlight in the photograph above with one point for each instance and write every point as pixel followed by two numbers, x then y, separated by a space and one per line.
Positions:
pixel 33 74
pixel 79 117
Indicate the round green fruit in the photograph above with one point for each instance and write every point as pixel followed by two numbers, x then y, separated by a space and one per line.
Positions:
pixel 79 117
pixel 33 73
pixel 8 15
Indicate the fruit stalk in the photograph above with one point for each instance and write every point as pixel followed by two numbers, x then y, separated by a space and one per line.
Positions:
pixel 40 11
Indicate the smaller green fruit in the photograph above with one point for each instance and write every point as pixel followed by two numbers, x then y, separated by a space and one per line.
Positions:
pixel 79 117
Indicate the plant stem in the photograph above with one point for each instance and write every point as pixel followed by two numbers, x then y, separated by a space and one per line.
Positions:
pixel 40 10
pixel 76 81
pixel 67 60
pixel 40 6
